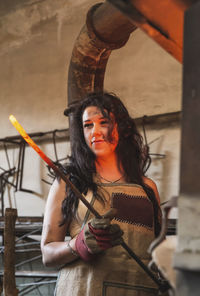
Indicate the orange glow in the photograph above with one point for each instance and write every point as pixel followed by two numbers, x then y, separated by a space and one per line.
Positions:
pixel 26 137
pixel 56 169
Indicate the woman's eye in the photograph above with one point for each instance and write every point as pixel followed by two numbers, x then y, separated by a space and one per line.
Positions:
pixel 87 125
pixel 104 122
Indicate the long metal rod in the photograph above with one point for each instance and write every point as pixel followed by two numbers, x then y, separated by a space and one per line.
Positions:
pixel 28 260
pixel 162 287
pixel 27 234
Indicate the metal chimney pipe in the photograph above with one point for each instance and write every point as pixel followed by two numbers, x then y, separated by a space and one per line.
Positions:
pixel 106 29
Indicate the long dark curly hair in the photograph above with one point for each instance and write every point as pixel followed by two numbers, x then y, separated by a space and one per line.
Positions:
pixel 131 153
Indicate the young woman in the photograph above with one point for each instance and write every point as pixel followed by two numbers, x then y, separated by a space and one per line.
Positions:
pixel 107 165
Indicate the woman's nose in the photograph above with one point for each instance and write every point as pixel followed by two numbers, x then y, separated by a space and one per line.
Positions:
pixel 96 129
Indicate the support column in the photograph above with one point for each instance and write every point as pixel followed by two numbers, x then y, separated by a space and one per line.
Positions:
pixel 187 257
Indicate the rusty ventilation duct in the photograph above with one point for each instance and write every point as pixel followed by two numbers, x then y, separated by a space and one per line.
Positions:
pixel 108 27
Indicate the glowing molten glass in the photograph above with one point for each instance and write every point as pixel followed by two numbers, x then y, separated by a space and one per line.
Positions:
pixel 26 137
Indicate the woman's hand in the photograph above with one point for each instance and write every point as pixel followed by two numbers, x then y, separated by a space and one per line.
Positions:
pixel 97 236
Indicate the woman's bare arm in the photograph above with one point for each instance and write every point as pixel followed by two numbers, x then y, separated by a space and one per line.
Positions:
pixel 55 251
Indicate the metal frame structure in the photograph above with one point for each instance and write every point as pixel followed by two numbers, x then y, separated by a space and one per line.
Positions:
pixel 22 228
pixel 18 173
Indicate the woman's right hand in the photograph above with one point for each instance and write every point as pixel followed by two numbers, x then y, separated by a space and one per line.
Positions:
pixel 97 236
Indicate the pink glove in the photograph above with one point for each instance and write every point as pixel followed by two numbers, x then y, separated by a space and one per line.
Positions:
pixel 97 236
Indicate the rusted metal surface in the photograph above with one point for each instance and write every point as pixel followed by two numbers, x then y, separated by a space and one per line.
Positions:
pixel 109 25
pixel 163 21
pixel 9 283
pixel 106 29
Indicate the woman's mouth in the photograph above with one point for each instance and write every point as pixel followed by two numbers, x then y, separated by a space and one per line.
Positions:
pixel 97 141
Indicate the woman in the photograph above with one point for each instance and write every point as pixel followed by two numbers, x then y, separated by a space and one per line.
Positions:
pixel 107 165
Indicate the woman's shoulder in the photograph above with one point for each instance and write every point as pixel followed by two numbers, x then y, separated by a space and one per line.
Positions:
pixel 149 182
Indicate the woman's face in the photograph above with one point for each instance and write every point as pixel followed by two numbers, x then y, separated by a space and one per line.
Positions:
pixel 96 130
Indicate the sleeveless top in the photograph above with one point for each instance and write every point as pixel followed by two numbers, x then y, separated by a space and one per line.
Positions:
pixel 113 272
